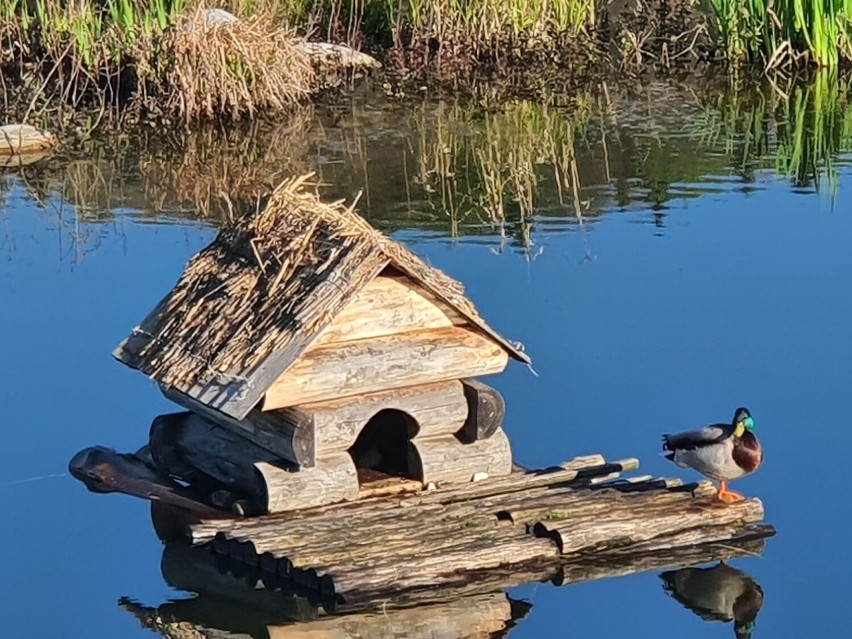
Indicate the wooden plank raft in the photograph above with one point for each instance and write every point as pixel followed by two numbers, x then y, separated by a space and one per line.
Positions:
pixel 362 550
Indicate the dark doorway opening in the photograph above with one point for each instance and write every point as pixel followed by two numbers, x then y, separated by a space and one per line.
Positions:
pixel 382 447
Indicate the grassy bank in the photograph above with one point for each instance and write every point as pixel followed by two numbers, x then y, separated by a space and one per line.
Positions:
pixel 158 58
pixel 784 33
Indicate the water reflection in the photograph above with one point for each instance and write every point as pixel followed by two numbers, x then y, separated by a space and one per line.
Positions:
pixel 717 593
pixel 510 171
pixel 233 597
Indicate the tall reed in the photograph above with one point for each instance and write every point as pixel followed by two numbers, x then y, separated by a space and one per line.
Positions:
pixel 779 32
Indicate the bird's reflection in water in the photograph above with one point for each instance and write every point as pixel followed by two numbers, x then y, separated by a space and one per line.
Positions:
pixel 719 593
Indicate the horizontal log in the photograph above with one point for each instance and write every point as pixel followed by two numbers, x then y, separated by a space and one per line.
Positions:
pixel 186 444
pixel 287 434
pixel 385 306
pixel 396 361
pixel 22 138
pixel 486 410
pixel 438 409
pixel 579 469
pixel 447 460
pixel 333 479
pixel 597 531
pixel 104 470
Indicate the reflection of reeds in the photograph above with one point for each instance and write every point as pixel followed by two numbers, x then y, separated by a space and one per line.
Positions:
pixel 493 168
pixel 798 129
pixel 210 170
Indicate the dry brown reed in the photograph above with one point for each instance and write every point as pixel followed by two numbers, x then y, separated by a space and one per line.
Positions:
pixel 234 69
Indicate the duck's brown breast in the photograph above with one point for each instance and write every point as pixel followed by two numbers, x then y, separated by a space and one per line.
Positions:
pixel 748 453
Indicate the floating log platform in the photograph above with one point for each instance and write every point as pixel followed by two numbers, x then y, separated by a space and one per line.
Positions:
pixel 361 551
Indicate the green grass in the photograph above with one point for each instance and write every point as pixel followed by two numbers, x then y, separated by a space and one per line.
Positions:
pixel 782 32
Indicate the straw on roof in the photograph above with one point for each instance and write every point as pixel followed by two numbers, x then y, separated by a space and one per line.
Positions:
pixel 249 304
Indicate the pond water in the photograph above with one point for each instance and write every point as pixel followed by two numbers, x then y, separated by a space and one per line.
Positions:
pixel 664 257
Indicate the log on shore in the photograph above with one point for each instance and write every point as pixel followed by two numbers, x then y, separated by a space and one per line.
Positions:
pixel 19 139
pixel 337 56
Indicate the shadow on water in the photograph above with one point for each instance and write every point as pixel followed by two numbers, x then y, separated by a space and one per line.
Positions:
pixel 235 599
pixel 466 170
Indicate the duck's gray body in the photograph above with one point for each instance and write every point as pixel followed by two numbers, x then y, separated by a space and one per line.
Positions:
pixel 708 450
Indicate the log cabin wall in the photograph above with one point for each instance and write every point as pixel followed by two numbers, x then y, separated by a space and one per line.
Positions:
pixel 392 335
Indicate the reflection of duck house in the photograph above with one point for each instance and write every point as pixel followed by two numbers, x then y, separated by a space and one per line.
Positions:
pixel 314 351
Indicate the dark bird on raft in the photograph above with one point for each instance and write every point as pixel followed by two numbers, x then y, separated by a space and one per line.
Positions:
pixel 721 451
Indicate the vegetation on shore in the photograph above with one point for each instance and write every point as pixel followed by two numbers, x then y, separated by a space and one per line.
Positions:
pixel 160 58
pixel 783 33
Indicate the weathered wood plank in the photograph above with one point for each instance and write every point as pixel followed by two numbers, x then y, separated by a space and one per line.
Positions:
pixel 385 306
pixel 653 517
pixel 445 459
pixel 335 516
pixel 486 410
pixel 183 444
pixel 288 434
pixel 333 478
pixel 438 409
pixel 382 363
pixel 16 139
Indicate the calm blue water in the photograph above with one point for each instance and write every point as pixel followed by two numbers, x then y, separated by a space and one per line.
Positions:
pixel 739 296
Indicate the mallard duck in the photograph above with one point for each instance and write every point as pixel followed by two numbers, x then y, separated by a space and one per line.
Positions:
pixel 721 451
pixel 718 593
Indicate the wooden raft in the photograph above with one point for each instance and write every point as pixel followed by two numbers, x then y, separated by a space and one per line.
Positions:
pixel 364 550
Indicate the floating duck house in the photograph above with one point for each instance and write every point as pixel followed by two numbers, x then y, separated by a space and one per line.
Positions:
pixel 321 362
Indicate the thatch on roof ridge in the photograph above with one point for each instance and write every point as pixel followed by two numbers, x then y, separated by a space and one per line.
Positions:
pixel 268 284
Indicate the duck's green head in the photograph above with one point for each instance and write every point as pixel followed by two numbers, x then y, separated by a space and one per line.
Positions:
pixel 742 422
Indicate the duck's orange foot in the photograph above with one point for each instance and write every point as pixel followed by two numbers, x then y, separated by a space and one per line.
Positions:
pixel 728 496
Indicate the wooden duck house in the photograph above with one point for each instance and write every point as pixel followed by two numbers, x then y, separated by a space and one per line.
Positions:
pixel 315 354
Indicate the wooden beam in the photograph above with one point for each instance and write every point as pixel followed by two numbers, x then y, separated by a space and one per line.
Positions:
pixel 438 409
pixel 288 434
pixel 486 410
pixel 184 444
pixel 23 138
pixel 382 363
pixel 385 306
pixel 447 460
pixel 333 479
